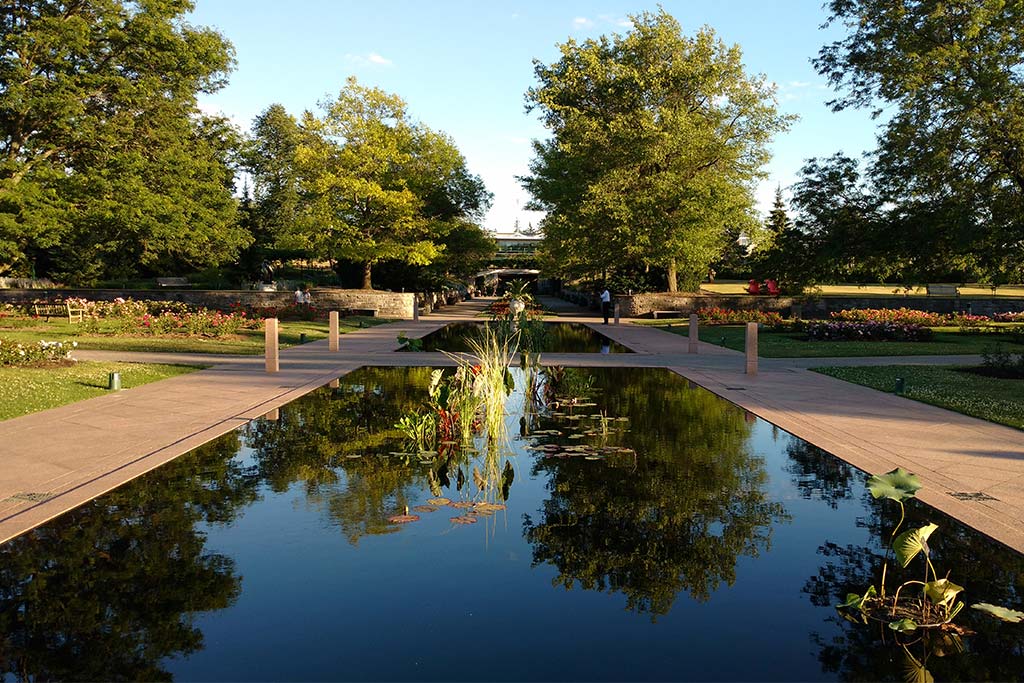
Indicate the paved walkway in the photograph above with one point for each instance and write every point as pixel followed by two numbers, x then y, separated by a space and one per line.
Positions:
pixel 55 460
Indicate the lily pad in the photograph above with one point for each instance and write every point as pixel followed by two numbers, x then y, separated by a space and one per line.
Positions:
pixel 897 485
pixel 438 501
pixel 403 519
pixel 1003 613
pixel 424 508
pixel 464 519
pixel 461 504
pixel 493 507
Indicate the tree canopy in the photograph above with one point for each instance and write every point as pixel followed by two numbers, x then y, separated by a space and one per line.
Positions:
pixel 656 141
pixel 106 163
pixel 376 185
pixel 950 157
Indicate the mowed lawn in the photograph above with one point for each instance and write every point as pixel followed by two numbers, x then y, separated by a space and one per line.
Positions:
pixel 980 291
pixel 247 342
pixel 993 399
pixel 26 390
pixel 947 341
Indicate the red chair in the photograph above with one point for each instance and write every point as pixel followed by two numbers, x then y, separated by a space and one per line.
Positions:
pixel 772 286
pixel 753 287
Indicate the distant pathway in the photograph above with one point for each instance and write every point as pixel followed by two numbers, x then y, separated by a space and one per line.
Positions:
pixel 57 459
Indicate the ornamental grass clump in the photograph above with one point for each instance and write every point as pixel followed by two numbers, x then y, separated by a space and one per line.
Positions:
pixel 15 353
pixel 836 330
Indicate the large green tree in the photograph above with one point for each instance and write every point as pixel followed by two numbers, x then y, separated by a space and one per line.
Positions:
pixel 378 185
pixel 656 141
pixel 106 164
pixel 951 153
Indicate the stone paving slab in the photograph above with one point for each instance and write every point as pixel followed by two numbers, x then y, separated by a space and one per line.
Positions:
pixel 55 460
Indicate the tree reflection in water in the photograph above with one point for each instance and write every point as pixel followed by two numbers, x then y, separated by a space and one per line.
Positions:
pixel 677 518
pixel 872 652
pixel 313 440
pixel 105 591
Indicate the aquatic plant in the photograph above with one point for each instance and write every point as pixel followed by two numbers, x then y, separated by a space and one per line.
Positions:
pixel 906 610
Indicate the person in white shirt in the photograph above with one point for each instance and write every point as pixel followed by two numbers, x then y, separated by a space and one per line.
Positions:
pixel 606 304
pixel 299 296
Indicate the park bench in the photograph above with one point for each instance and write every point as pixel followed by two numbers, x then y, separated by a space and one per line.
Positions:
pixel 942 290
pixel 173 282
pixel 59 309
pixel 667 314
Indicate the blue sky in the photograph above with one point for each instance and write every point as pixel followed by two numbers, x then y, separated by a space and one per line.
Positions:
pixel 464 66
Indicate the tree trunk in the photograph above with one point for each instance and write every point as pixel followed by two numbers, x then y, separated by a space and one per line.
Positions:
pixel 367 271
pixel 672 281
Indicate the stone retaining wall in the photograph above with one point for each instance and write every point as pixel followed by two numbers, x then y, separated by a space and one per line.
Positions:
pixel 387 304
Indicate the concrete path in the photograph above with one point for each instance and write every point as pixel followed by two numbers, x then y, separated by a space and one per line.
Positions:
pixel 55 460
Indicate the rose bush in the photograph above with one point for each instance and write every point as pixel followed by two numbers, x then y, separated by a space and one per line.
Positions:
pixel 842 330
pixel 16 353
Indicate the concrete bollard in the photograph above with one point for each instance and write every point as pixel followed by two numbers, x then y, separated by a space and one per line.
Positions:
pixel 751 348
pixel 693 334
pixel 271 345
pixel 332 344
pixel 617 312
pixel 273 415
pixel 334 384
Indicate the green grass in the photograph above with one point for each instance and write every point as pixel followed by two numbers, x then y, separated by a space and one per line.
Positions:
pixel 947 341
pixel 30 389
pixel 247 342
pixel 992 399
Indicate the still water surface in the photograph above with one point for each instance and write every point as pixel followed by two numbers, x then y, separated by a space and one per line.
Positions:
pixel 701 544
pixel 558 338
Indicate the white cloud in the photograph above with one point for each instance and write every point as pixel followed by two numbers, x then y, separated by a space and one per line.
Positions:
pixel 369 59
pixel 582 22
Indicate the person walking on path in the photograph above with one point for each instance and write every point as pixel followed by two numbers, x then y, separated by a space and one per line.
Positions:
pixel 606 304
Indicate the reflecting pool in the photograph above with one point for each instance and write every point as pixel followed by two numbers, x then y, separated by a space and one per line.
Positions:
pixel 557 338
pixel 650 531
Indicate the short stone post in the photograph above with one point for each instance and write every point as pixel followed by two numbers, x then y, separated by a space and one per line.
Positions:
pixel 332 343
pixel 334 384
pixel 693 334
pixel 751 348
pixel 271 345
pixel 617 312
pixel 273 415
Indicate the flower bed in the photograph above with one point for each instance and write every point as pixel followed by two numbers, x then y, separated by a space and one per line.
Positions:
pixel 202 322
pixel 15 353
pixel 725 316
pixel 899 316
pixel 1009 317
pixel 840 330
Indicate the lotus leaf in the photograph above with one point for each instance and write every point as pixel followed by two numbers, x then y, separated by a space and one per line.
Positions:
pixel 908 544
pixel 903 625
pixel 942 591
pixel 897 485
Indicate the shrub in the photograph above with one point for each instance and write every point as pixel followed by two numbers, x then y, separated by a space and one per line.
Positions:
pixel 1009 317
pixel 841 330
pixel 15 353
